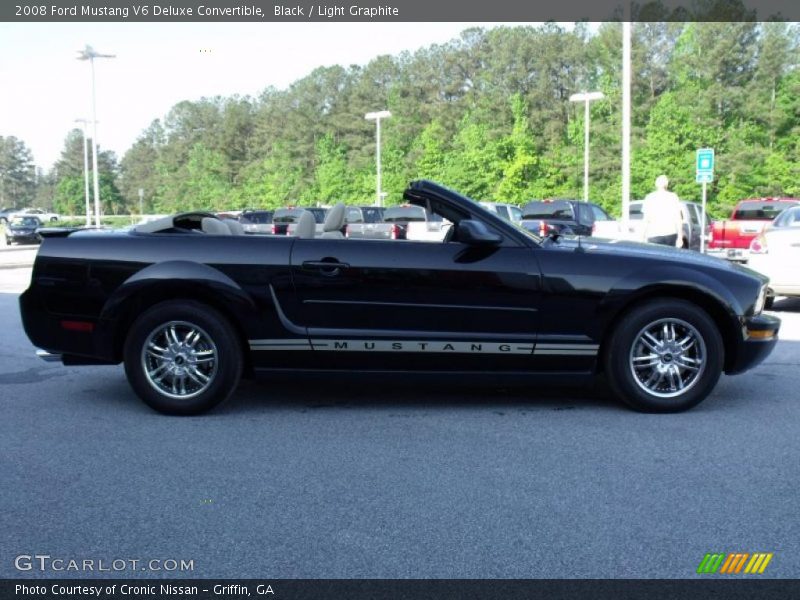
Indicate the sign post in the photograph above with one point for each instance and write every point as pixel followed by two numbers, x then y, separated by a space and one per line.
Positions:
pixel 704 175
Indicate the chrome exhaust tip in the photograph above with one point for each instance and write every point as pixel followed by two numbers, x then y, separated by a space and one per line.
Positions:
pixel 47 356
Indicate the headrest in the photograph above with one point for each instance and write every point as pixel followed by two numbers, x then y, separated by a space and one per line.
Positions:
pixel 334 220
pixel 306 226
pixel 214 226
pixel 234 225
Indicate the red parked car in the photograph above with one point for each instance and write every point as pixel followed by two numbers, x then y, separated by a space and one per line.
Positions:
pixel 731 238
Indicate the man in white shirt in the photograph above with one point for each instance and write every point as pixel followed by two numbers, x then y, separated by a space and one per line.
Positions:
pixel 662 215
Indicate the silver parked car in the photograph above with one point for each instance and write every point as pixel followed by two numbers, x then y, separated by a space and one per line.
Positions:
pixel 776 254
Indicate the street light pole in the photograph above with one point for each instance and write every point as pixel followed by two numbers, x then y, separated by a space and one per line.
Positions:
pixel 626 115
pixel 586 98
pixel 89 53
pixel 84 123
pixel 377 116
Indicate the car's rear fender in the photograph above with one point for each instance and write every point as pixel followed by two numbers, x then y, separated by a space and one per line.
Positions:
pixel 169 281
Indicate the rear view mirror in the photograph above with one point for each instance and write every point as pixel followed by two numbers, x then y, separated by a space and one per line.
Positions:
pixel 475 233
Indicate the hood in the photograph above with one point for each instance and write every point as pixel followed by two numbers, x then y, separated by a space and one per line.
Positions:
pixel 654 252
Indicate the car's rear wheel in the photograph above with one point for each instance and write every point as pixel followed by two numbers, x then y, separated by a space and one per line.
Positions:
pixel 665 356
pixel 182 357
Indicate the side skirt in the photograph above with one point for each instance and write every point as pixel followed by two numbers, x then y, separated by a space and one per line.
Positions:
pixel 565 378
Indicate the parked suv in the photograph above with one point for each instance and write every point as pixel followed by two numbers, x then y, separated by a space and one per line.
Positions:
pixel 567 217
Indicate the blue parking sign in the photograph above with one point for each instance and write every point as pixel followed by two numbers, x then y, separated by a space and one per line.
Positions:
pixel 705 165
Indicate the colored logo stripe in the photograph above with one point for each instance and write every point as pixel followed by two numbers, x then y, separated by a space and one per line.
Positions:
pixel 733 563
pixel 710 563
pixel 758 563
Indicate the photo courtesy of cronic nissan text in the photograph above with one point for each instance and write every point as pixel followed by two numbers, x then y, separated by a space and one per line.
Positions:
pixel 395 299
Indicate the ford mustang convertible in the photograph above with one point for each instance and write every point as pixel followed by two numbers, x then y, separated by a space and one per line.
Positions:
pixel 190 305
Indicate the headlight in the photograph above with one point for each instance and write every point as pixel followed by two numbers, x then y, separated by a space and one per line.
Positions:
pixel 762 298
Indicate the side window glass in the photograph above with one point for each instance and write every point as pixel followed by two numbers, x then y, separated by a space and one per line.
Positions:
pixel 599 214
pixel 503 212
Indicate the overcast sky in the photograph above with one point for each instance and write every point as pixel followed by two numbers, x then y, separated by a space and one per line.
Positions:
pixel 44 87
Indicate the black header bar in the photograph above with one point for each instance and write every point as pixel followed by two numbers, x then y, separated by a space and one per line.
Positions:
pixel 395 10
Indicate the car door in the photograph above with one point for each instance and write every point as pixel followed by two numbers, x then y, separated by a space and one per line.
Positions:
pixel 375 304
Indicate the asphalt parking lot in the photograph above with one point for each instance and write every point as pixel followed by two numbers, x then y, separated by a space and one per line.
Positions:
pixel 339 479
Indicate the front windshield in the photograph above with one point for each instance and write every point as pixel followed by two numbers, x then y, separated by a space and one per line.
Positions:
pixel 789 218
pixel 517 224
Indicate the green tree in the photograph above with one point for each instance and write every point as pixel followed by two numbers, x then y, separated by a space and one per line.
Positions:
pixel 520 164
pixel 70 198
pixel 17 173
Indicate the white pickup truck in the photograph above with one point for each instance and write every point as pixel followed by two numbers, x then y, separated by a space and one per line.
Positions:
pixel 405 222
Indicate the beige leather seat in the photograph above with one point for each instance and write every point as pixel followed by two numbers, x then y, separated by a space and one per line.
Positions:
pixel 214 226
pixel 234 225
pixel 334 221
pixel 306 226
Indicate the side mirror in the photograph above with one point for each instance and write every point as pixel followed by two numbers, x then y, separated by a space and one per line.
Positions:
pixel 475 233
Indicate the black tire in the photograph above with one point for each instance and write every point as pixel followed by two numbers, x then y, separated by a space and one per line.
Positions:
pixel 215 355
pixel 628 343
pixel 53 219
pixel 768 302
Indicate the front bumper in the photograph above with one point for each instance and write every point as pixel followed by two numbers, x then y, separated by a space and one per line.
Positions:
pixel 22 237
pixel 759 336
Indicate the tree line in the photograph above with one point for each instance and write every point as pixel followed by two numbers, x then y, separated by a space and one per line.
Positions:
pixel 487 113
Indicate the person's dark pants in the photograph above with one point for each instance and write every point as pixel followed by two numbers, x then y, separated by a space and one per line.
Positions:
pixel 664 240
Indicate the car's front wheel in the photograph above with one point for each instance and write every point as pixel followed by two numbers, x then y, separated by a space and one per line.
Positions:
pixel 665 356
pixel 182 357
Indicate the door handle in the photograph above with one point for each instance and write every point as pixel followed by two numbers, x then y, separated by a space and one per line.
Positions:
pixel 330 267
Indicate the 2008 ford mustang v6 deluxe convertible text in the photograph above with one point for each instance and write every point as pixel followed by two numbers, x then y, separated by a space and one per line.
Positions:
pixel 189 306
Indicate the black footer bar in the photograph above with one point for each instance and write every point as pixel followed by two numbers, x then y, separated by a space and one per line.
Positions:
pixel 399 589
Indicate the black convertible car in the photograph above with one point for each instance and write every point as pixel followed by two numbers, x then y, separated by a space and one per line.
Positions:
pixel 189 306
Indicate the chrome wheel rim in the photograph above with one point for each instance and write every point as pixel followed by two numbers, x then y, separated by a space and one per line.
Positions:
pixel 179 360
pixel 667 357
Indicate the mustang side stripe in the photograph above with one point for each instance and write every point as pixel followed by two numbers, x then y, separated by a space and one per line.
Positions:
pixel 442 346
